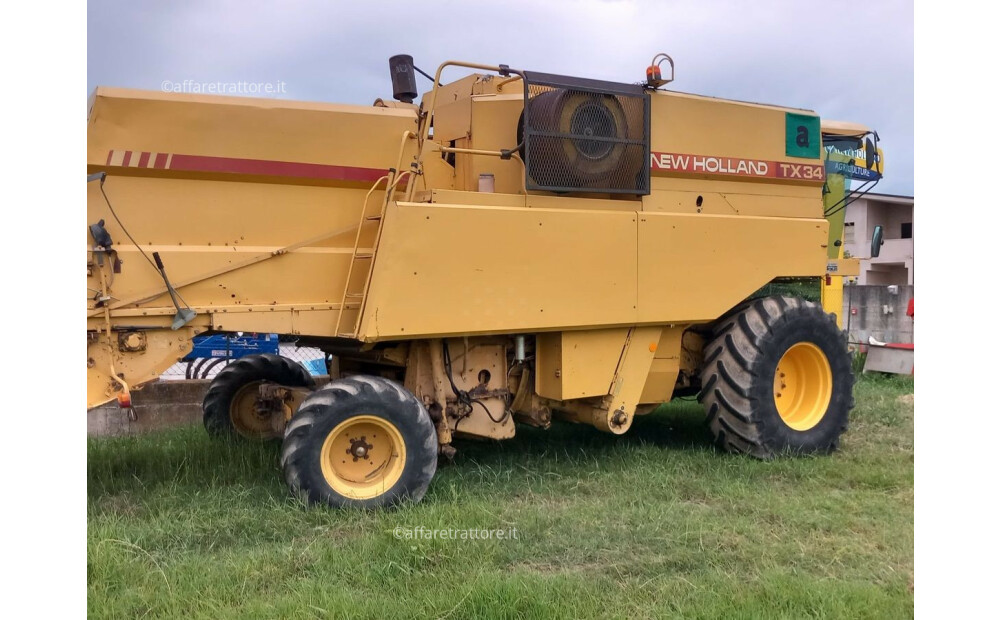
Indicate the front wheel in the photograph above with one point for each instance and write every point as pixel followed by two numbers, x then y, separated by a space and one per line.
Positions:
pixel 777 378
pixel 360 441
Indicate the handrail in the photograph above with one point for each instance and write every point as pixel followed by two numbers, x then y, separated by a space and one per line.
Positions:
pixel 515 155
pixel 393 179
pixel 389 191
pixel 354 253
pixel 428 115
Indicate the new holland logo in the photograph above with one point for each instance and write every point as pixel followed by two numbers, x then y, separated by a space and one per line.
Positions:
pixel 665 163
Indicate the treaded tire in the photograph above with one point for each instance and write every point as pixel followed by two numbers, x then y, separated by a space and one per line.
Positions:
pixel 263 367
pixel 739 372
pixel 339 401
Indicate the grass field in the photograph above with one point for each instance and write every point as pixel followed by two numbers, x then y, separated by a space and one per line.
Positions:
pixel 652 524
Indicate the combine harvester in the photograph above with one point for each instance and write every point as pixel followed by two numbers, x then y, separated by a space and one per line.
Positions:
pixel 518 247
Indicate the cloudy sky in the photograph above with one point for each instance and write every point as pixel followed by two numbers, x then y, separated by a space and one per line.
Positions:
pixel 847 61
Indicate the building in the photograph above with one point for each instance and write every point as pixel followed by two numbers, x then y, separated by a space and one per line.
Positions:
pixel 895 214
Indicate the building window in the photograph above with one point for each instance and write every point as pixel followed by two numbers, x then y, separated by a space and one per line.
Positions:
pixel 848 232
pixel 906 230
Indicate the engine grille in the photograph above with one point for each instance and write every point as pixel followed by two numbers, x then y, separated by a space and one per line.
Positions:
pixel 585 135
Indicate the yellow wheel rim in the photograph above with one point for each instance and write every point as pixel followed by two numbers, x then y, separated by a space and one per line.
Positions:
pixel 245 416
pixel 803 386
pixel 363 457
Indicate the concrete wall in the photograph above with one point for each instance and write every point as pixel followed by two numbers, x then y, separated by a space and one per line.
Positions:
pixel 876 311
pixel 158 405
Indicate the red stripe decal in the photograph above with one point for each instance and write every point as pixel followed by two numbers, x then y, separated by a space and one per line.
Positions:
pixel 144 159
pixel 200 163
pixel 108 163
pixel 261 167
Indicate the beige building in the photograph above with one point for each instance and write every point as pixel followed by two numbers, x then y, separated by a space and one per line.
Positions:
pixel 895 214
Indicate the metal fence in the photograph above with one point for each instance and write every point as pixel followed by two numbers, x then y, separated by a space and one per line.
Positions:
pixel 206 368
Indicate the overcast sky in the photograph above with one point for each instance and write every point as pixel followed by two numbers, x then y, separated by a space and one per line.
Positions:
pixel 846 61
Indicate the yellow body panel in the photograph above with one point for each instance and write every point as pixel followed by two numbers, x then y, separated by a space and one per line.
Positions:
pixel 659 386
pixel 577 364
pixel 523 270
pixel 259 129
pixel 698 125
pixel 629 277
pixel 724 260
pixel 494 127
pixel 843 267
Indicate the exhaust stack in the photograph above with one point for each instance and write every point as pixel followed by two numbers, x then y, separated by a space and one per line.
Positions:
pixel 404 78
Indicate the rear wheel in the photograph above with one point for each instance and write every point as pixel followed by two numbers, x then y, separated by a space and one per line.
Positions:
pixel 231 403
pixel 360 441
pixel 777 378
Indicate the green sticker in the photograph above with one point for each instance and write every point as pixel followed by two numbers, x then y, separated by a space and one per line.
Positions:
pixel 802 137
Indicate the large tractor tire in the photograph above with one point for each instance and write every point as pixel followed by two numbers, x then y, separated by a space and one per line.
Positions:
pixel 230 404
pixel 360 442
pixel 777 379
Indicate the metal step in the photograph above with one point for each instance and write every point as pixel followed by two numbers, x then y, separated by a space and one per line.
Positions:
pixel 363 255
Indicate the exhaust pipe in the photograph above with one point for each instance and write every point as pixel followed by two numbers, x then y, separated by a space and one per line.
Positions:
pixel 404 78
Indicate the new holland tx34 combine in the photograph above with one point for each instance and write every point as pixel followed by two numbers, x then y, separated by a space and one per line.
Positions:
pixel 517 247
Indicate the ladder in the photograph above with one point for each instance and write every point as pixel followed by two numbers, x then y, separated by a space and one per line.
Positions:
pixel 363 259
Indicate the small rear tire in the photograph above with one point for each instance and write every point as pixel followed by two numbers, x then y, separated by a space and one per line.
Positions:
pixel 229 405
pixel 360 442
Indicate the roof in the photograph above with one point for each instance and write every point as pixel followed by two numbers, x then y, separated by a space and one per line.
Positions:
pixel 842 128
pixel 893 198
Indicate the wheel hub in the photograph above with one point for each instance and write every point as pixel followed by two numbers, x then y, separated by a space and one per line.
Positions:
pixel 803 386
pixel 363 457
pixel 359 449
pixel 253 416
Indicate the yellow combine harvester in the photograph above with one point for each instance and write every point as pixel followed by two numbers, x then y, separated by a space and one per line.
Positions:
pixel 518 247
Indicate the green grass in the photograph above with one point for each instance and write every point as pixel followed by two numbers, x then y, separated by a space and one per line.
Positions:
pixel 652 524
pixel 807 288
